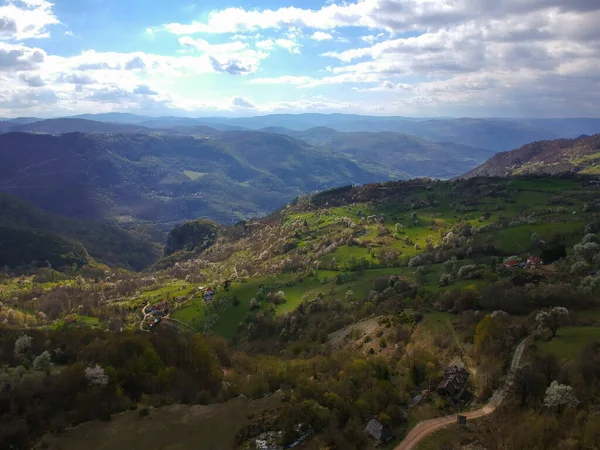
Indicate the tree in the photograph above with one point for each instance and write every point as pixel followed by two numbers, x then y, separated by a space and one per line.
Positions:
pixel 333 263
pixel 196 234
pixel 560 395
pixel 416 261
pixel 23 347
pixel 445 279
pixel 96 376
pixel 43 361
pixel 552 319
pixel 350 296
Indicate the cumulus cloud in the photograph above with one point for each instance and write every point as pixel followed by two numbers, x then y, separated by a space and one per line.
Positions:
pixel 15 58
pixel 242 102
pixel 321 36
pixel 457 51
pixel 32 79
pixel 289 44
pixel 136 63
pixel 26 19
pixel 144 89
pixel 265 44
pixel 239 20
pixel 78 78
pixel 541 56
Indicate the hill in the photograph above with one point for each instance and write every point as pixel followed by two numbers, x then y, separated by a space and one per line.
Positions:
pixel 61 126
pixel 580 155
pixel 346 303
pixel 167 179
pixel 417 157
pixel 28 234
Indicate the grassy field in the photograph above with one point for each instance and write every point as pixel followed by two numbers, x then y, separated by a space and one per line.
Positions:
pixel 193 175
pixel 321 227
pixel 171 427
pixel 167 292
pixel 569 341
pixel 518 239
pixel 77 322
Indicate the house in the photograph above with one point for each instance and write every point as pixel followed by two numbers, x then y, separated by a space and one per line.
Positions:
pixel 533 262
pixel 512 264
pixel 378 431
pixel 454 383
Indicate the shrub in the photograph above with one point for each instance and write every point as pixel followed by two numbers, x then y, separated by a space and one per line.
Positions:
pixel 416 261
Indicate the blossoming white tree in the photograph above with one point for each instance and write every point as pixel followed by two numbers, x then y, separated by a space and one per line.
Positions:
pixel 559 396
pixel 552 319
pixel 23 347
pixel 96 376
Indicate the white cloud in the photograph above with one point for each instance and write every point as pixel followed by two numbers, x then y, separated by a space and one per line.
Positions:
pixel 288 44
pixel 288 79
pixel 26 19
pixel 266 44
pixel 386 86
pixel 239 20
pixel 372 38
pixel 321 36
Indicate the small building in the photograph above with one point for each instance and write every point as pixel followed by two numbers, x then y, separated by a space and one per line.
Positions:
pixel 512 264
pixel 454 383
pixel 533 262
pixel 378 431
pixel 461 420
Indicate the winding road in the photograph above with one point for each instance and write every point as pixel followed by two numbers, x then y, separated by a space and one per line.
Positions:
pixel 427 427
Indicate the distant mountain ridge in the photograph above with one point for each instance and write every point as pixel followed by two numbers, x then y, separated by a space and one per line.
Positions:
pixel 581 155
pixel 415 156
pixel 497 134
pixel 165 179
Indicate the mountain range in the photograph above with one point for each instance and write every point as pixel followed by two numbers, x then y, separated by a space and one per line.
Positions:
pixel 169 178
pixel 497 134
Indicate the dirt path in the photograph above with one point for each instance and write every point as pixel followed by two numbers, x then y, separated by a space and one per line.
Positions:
pixel 145 316
pixel 427 427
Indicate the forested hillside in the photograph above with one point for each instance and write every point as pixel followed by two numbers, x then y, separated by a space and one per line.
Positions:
pixel 345 306
pixel 581 155
pixel 166 179
pixel 29 235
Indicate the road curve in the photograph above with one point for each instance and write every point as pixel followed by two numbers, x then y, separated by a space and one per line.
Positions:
pixel 427 427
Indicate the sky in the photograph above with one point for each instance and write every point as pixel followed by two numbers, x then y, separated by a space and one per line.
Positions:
pixel 425 58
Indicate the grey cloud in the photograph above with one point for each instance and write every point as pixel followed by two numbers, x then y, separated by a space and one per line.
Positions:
pixel 27 98
pixel 136 63
pixel 98 66
pixel 20 59
pixel 7 26
pixel 32 80
pixel 144 90
pixel 76 78
pixel 231 67
pixel 118 95
pixel 242 102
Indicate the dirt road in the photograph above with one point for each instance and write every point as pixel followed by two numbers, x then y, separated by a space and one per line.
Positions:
pixel 427 427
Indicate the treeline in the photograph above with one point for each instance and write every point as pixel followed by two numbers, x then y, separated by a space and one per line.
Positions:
pixel 56 379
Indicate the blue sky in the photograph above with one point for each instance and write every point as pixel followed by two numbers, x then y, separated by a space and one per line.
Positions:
pixel 384 57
